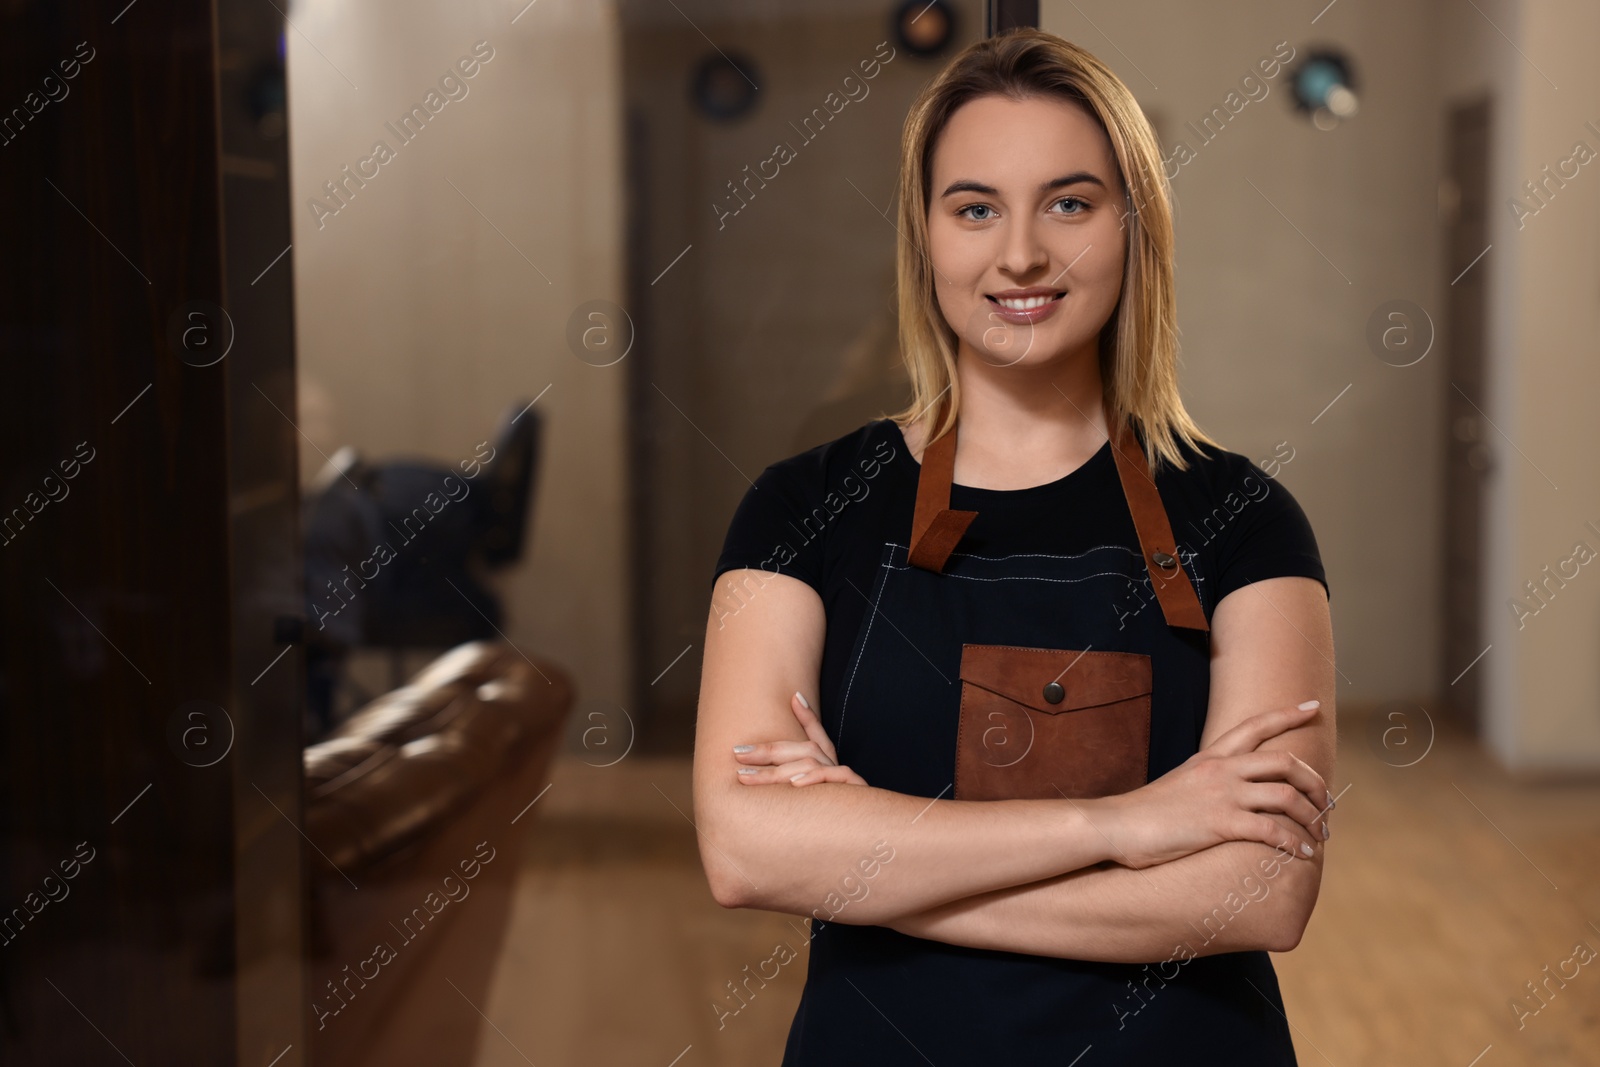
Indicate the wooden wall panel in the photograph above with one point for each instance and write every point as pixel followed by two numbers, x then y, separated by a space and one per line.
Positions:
pixel 151 535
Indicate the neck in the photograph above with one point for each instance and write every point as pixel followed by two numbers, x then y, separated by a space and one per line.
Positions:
pixel 1057 405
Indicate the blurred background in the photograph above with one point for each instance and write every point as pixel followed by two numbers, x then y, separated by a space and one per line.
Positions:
pixel 380 382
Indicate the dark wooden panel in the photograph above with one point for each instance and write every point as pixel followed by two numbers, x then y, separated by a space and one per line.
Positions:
pixel 268 682
pixel 118 595
pixel 1002 15
pixel 1468 451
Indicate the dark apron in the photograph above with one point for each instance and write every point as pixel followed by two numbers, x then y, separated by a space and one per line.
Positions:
pixel 896 725
pixel 928 601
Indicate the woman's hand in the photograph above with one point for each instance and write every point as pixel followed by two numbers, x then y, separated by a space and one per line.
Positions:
pixel 1222 793
pixel 799 762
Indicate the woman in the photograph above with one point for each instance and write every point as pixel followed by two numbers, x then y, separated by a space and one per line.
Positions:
pixel 999 870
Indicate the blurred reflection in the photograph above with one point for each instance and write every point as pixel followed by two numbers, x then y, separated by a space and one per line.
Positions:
pixel 397 554
pixel 870 382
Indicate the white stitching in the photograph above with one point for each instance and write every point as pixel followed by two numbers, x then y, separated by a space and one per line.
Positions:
pixel 1034 578
pixel 845 703
pixel 1034 555
pixel 1194 574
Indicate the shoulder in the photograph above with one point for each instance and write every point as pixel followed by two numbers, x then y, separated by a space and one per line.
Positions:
pixel 1220 478
pixel 833 469
pixel 1240 516
pixel 1213 471
pixel 787 512
pixel 861 450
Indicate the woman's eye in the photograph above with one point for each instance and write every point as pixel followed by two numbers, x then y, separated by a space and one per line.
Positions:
pixel 1079 206
pixel 976 207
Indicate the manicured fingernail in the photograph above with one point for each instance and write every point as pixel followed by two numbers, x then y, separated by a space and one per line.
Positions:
pixel 797 777
pixel 749 770
pixel 1325 831
pixel 1308 705
pixel 744 748
pixel 804 703
pixel 1331 802
pixel 1305 848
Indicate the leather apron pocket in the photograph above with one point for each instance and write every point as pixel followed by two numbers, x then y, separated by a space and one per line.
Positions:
pixel 1043 723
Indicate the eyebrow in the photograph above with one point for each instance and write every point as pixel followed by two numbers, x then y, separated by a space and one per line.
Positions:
pixel 966 185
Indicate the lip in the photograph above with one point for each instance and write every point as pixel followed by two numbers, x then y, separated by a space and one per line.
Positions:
pixel 1032 315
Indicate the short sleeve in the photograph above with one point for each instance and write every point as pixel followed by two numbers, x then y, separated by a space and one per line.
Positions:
pixel 1269 535
pixel 769 522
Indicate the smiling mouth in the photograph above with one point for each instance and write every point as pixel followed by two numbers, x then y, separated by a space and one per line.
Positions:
pixel 1024 303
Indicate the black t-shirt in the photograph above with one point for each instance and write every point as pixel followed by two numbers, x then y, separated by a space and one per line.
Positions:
pixel 823 516
pixel 838 517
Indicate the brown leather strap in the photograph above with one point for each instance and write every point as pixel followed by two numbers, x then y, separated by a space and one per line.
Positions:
pixel 1179 603
pixel 936 528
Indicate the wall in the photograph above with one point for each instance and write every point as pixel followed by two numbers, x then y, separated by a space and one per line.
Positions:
pixel 1288 238
pixel 1542 689
pixel 440 294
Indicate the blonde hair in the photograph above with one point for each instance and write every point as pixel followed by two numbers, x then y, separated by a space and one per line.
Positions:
pixel 1138 348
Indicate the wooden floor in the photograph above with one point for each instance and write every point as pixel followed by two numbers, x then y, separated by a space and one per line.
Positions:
pixel 1448 887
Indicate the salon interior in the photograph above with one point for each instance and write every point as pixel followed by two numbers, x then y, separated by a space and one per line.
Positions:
pixel 299 772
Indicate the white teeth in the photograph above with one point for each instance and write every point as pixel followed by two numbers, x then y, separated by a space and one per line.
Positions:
pixel 1024 304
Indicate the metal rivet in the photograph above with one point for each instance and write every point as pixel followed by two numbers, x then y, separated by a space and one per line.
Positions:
pixel 1162 560
pixel 1054 693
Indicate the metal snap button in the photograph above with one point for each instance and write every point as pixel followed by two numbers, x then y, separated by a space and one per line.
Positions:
pixel 1054 693
pixel 1162 560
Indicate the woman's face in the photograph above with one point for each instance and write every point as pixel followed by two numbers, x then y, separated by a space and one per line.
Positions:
pixel 1025 229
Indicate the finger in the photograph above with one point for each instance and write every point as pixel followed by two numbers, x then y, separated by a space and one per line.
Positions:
pixel 1248 735
pixel 777 773
pixel 812 724
pixel 775 752
pixel 1257 826
pixel 836 773
pixel 1285 798
pixel 1280 765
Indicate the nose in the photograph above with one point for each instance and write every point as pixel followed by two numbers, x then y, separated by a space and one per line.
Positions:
pixel 1022 252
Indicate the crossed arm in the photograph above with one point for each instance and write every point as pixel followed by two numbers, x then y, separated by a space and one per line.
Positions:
pixel 1026 876
pixel 1272 644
